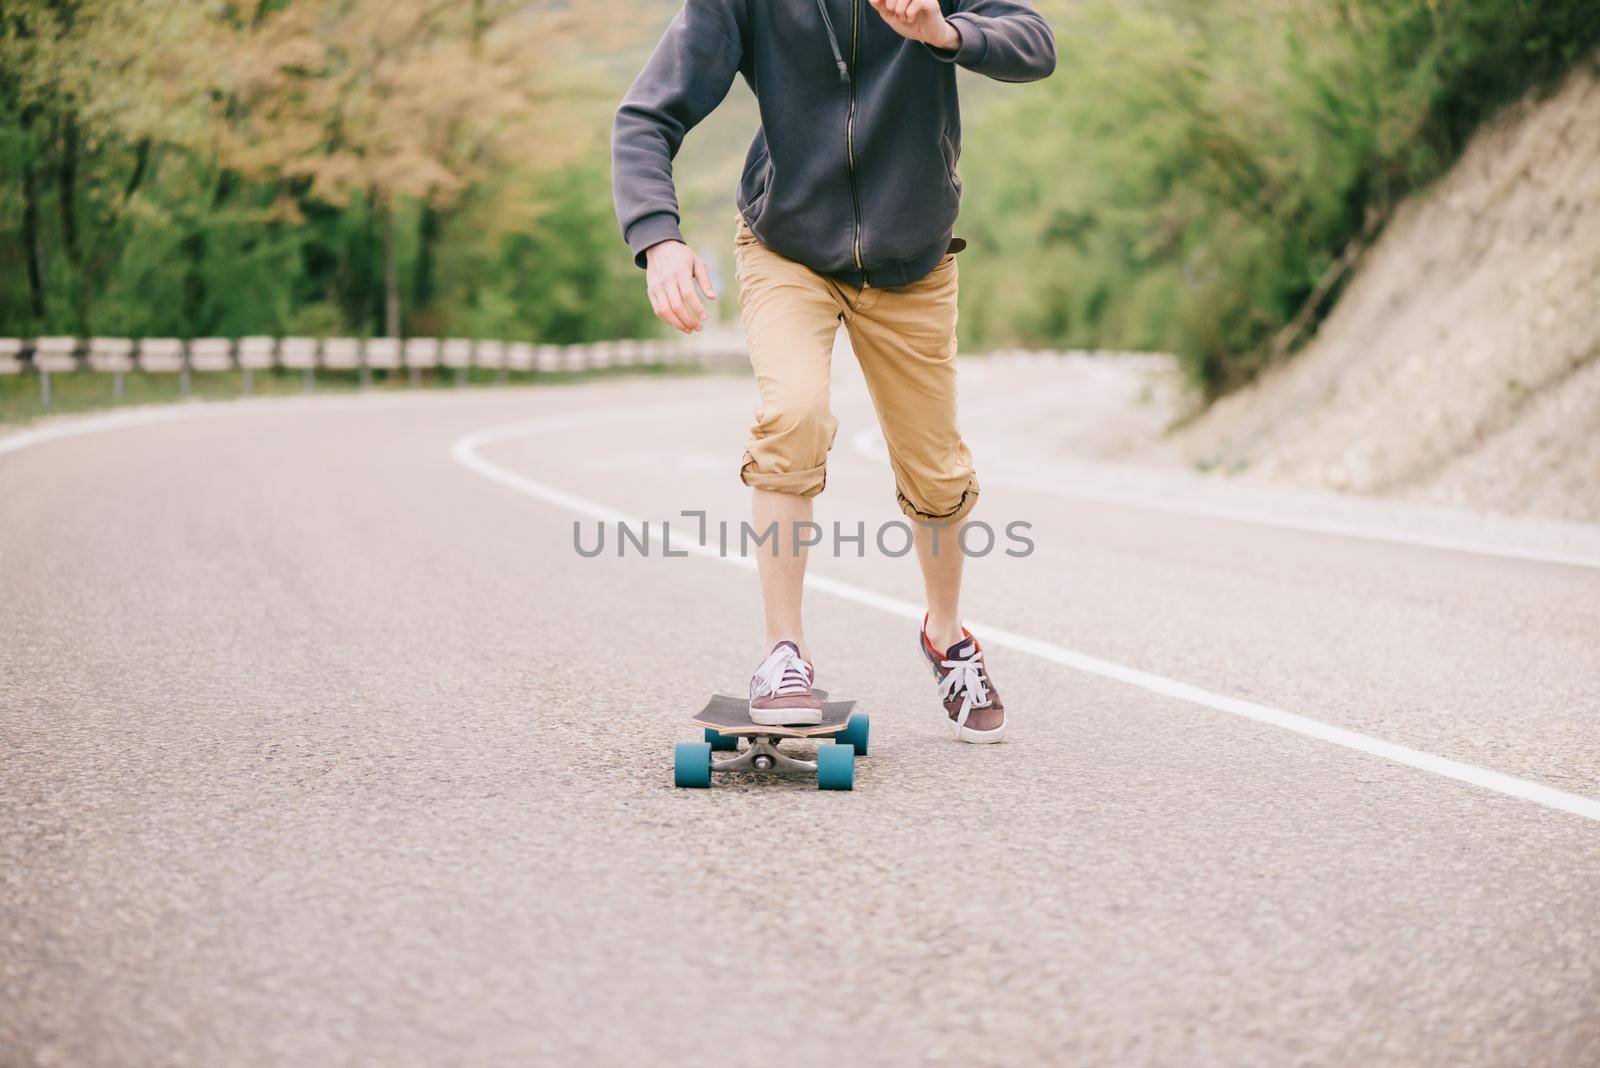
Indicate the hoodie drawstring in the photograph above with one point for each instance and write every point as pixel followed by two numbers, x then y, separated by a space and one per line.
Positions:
pixel 838 56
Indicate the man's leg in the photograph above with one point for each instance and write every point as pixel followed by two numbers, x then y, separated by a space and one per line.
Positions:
pixel 905 340
pixel 783 574
pixel 941 558
pixel 790 318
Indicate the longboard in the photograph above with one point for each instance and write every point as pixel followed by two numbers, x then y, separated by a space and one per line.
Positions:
pixel 731 715
pixel 726 720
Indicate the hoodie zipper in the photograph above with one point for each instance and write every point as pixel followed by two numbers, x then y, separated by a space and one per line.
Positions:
pixel 850 139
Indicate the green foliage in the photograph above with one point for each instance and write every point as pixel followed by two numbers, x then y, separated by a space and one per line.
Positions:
pixel 1196 166
pixel 305 166
pixel 563 277
pixel 1184 181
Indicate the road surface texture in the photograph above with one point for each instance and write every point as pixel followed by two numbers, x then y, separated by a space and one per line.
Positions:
pixel 320 744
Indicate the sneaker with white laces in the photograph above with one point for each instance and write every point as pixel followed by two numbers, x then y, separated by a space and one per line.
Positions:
pixel 780 690
pixel 971 704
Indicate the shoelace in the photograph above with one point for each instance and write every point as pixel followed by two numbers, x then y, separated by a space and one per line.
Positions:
pixel 966 678
pixel 781 674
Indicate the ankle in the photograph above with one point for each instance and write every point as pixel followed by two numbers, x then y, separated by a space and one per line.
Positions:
pixel 799 643
pixel 943 633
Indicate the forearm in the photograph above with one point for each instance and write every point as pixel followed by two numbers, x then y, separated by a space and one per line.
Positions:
pixel 1002 39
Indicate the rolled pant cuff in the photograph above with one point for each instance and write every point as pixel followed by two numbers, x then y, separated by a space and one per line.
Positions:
pixel 968 501
pixel 807 483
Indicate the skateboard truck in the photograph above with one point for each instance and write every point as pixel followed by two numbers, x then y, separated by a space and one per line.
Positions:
pixel 762 754
pixel 726 720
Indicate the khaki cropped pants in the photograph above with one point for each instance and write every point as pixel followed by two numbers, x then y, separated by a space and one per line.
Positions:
pixel 905 341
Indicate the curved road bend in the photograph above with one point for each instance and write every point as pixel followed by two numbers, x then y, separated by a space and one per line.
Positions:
pixel 318 746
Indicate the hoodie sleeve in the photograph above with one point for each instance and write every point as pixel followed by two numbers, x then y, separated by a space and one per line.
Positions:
pixel 686 78
pixel 1007 40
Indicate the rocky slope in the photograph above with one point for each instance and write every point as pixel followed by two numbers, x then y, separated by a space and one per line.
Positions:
pixel 1462 362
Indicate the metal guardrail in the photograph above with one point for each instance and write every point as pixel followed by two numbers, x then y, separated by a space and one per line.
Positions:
pixel 119 356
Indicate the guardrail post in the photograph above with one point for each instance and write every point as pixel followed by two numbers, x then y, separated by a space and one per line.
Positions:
pixel 344 354
pixel 253 352
pixel 300 352
pixel 456 353
pixel 51 354
pixel 417 353
pixel 386 354
pixel 114 354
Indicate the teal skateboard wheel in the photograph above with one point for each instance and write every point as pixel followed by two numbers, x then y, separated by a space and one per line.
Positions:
pixel 722 743
pixel 836 767
pixel 855 733
pixel 691 765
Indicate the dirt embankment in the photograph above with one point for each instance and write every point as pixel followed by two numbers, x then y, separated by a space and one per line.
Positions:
pixel 1462 363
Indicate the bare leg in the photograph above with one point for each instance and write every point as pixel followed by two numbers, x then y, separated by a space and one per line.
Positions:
pixel 939 553
pixel 782 575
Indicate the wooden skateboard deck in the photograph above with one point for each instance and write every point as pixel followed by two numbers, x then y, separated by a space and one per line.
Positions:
pixel 731 715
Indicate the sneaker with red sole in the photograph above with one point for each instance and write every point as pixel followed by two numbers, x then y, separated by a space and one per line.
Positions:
pixel 971 704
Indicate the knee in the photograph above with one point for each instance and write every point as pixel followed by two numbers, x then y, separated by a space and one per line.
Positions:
pixel 788 447
pixel 800 418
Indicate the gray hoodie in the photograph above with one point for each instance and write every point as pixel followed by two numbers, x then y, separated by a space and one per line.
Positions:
pixel 853 172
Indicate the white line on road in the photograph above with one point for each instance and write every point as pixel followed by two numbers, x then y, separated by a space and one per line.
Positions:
pixel 77 426
pixel 465 452
pixel 869 443
pixel 97 424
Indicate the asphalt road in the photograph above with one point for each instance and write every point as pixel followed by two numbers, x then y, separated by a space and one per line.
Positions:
pixel 320 744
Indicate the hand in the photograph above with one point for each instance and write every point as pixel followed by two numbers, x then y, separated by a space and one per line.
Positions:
pixel 671 270
pixel 919 20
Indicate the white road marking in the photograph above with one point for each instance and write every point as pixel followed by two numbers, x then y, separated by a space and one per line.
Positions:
pixel 869 443
pixel 99 424
pixel 77 426
pixel 464 451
